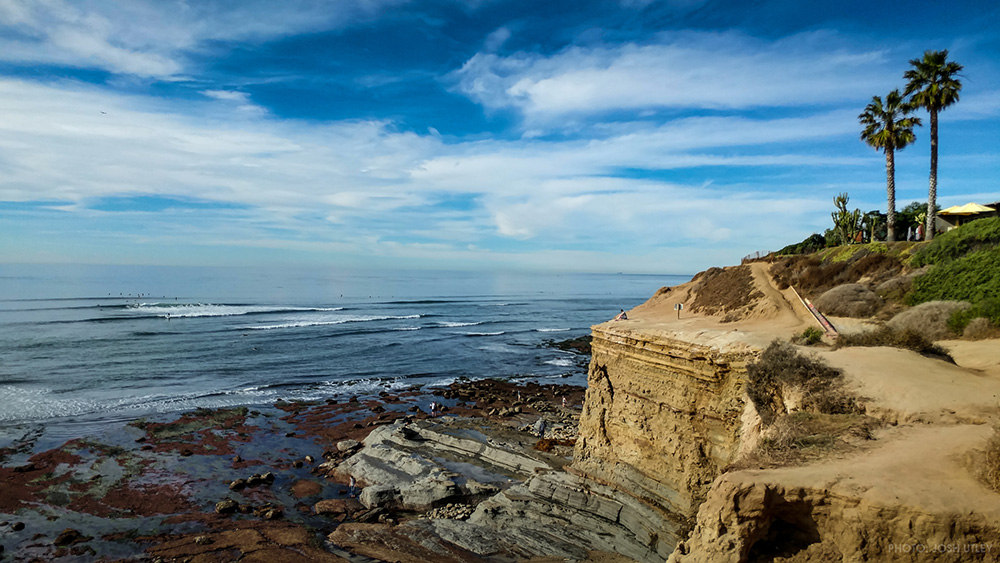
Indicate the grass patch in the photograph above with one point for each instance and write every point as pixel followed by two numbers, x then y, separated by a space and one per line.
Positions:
pixel 893 338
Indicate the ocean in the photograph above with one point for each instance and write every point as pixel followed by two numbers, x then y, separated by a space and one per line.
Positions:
pixel 83 345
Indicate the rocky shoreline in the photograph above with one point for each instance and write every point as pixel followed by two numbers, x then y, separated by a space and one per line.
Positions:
pixel 273 483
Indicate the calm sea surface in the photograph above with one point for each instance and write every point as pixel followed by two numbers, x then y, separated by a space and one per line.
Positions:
pixel 88 344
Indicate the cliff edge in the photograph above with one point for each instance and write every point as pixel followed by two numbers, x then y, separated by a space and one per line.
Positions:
pixel 667 420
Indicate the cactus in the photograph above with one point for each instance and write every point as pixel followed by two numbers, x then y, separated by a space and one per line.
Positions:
pixel 847 224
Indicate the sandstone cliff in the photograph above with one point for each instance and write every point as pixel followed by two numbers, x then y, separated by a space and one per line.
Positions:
pixel 666 412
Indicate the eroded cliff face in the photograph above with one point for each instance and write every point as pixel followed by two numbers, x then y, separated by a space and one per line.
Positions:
pixel 662 417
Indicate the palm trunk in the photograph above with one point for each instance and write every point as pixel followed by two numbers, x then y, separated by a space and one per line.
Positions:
pixel 890 190
pixel 932 190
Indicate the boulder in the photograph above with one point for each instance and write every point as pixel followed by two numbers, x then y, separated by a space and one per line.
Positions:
pixel 348 445
pixel 379 495
pixel 227 506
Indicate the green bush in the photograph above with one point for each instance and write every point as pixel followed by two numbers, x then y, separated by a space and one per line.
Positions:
pixel 956 243
pixel 988 308
pixel 973 277
pixel 811 244
pixel 811 336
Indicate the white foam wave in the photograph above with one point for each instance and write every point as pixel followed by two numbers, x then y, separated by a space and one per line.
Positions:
pixel 174 310
pixel 407 328
pixel 451 324
pixel 553 329
pixel 561 362
pixel 340 321
pixel 484 333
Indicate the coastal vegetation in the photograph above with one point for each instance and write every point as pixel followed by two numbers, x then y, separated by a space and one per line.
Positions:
pixel 964 266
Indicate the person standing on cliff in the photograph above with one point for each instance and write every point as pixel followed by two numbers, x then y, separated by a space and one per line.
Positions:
pixel 621 316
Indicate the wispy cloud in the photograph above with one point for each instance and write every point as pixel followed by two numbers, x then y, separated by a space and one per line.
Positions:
pixel 153 38
pixel 709 70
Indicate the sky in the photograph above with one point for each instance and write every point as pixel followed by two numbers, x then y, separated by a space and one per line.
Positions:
pixel 644 136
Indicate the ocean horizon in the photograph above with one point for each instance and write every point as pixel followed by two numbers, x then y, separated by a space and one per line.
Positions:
pixel 96 344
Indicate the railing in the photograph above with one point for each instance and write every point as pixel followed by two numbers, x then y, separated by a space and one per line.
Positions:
pixel 755 256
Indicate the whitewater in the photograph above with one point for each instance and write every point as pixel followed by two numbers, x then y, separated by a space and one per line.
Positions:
pixel 82 344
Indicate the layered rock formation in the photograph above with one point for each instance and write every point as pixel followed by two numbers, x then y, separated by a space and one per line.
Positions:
pixel 665 417
pixel 662 417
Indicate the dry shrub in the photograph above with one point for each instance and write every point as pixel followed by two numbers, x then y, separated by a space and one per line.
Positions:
pixel 811 276
pixel 893 338
pixel 782 372
pixel 876 267
pixel 849 300
pixel 929 320
pixel 991 467
pixel 721 291
pixel 802 437
pixel 979 329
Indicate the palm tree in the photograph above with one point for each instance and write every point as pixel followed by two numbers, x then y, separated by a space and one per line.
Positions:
pixel 888 129
pixel 933 85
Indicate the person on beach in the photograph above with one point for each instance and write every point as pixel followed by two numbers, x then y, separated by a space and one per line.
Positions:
pixel 621 316
pixel 351 488
pixel 433 408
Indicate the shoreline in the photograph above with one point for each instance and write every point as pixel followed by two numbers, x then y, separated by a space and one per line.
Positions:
pixel 152 489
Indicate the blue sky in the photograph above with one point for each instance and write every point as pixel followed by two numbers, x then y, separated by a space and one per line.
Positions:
pixel 633 135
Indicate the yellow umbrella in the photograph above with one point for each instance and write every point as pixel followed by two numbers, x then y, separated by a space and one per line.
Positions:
pixel 967 209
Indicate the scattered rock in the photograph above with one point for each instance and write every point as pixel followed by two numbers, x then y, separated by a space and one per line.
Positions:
pixel 269 512
pixel 238 485
pixel 202 540
pixel 69 536
pixel 451 511
pixel 348 445
pixel 227 506
pixel 17 526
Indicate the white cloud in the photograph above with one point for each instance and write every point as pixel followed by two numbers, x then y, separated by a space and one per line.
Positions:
pixel 682 70
pixel 152 38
